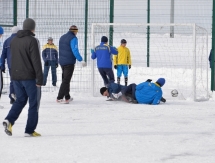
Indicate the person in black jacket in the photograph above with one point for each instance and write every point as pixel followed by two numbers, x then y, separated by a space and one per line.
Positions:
pixel 27 77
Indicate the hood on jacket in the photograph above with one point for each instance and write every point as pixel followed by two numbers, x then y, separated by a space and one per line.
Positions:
pixel 23 33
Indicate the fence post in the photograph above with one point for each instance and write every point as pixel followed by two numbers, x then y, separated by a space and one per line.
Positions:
pixel 85 33
pixel 148 32
pixel 27 9
pixel 213 45
pixel 172 19
pixel 15 12
pixel 111 21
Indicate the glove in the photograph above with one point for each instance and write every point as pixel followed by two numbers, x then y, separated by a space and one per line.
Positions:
pixel 163 99
pixel 115 66
pixel 129 66
pixel 46 63
pixel 148 80
pixel 92 51
pixel 84 64
pixel 56 65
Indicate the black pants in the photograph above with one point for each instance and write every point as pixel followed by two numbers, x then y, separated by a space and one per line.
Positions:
pixel 67 72
pixel 129 90
pixel 104 72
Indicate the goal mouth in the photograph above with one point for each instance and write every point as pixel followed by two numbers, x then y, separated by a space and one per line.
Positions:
pixel 176 52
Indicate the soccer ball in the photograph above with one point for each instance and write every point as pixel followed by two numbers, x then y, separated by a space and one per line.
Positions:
pixel 174 93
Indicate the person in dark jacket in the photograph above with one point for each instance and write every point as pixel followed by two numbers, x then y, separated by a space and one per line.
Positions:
pixel 27 76
pixel 68 53
pixel 143 93
pixel 103 53
pixel 6 55
pixel 50 58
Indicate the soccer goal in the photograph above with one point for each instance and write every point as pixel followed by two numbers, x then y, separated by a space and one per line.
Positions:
pixel 177 52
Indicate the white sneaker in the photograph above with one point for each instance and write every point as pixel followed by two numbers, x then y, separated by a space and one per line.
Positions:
pixel 69 100
pixel 117 95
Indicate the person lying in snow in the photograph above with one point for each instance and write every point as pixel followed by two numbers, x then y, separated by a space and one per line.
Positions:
pixel 143 93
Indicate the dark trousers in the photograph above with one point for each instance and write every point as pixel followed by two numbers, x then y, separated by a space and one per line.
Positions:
pixel 26 90
pixel 12 91
pixel 107 75
pixel 51 64
pixel 129 90
pixel 67 72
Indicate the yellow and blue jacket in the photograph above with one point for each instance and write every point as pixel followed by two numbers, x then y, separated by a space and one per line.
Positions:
pixel 50 53
pixel 123 57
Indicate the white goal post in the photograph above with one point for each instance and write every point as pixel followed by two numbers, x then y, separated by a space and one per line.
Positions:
pixel 181 59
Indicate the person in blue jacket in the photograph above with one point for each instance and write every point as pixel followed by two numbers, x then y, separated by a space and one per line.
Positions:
pixel 6 55
pixel 50 58
pixel 68 54
pixel 143 93
pixel 103 53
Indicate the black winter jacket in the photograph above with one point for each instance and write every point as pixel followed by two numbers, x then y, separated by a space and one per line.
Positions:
pixel 25 57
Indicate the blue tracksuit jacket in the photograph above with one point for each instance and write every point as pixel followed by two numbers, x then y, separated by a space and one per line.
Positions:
pixel 103 54
pixel 114 88
pixel 148 93
pixel 6 52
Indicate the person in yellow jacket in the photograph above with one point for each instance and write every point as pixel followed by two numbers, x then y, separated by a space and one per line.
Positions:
pixel 122 61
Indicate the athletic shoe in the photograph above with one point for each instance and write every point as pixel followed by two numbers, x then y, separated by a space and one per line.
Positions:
pixel 34 134
pixel 163 99
pixel 67 101
pixel 117 95
pixel 59 101
pixel 7 127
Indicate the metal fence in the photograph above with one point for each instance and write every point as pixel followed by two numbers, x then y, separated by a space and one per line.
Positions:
pixel 54 17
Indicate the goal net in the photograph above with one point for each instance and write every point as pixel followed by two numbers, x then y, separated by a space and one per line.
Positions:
pixel 176 52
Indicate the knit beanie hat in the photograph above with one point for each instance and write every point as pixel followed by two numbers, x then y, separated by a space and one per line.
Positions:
pixel 73 28
pixel 50 39
pixel 15 29
pixel 29 24
pixel 102 90
pixel 1 30
pixel 104 39
pixel 161 81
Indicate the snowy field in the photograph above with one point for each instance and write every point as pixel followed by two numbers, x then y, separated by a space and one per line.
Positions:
pixel 92 130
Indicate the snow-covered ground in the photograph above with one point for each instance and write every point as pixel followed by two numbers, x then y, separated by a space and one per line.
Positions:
pixel 93 130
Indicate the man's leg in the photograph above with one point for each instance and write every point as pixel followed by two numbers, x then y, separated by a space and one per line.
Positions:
pixel 130 89
pixel 34 94
pixel 125 73
pixel 54 73
pixel 119 73
pixel 65 85
pixel 45 74
pixel 19 104
pixel 103 75
pixel 109 72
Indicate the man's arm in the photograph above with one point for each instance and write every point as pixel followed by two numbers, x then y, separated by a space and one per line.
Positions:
pixel 113 50
pixel 156 100
pixel 93 56
pixel 36 61
pixel 3 57
pixel 74 48
pixel 129 57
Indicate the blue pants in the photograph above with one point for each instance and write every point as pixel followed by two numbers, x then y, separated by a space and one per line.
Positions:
pixel 12 91
pixel 107 75
pixel 51 64
pixel 26 90
pixel 122 69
